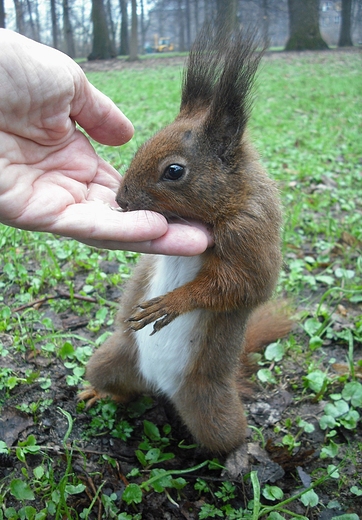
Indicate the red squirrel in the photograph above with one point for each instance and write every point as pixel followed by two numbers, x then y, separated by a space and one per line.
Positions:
pixel 187 325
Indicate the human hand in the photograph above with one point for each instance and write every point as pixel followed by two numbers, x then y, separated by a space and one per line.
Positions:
pixel 51 179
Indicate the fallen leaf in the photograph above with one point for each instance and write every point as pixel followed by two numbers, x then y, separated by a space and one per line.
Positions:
pixel 13 422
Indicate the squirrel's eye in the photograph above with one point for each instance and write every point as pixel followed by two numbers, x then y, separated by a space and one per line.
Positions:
pixel 174 172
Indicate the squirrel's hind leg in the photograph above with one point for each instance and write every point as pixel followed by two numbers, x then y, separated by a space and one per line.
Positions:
pixel 213 412
pixel 112 370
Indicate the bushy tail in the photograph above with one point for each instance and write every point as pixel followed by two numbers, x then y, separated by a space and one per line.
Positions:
pixel 267 324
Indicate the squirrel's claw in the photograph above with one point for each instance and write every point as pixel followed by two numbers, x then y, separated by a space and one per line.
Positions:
pixel 154 310
pixel 90 395
pixel 159 324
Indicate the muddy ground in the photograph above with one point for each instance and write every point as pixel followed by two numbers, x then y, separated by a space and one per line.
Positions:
pixel 271 407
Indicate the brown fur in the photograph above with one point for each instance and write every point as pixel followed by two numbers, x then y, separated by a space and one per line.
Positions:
pixel 224 185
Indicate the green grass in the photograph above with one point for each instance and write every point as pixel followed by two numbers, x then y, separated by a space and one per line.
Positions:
pixel 150 98
pixel 307 126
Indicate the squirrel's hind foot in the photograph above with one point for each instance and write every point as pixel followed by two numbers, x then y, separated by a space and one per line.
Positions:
pixel 90 395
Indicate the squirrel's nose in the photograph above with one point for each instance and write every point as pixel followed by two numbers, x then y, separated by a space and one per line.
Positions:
pixel 122 203
pixel 121 199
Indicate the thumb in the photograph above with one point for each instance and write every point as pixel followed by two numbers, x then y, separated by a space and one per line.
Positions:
pixel 99 116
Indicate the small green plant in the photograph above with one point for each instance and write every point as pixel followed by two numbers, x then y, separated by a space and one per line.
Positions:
pixel 151 449
pixel 160 481
pixel 317 380
pixel 295 429
pixel 42 480
pixel 342 410
pixel 75 360
pixel 9 380
pixel 273 354
pixel 105 420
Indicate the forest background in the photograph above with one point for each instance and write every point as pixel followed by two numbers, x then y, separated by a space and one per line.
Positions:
pixel 103 29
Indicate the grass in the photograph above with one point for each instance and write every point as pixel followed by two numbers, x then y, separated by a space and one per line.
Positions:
pixel 307 125
pixel 150 106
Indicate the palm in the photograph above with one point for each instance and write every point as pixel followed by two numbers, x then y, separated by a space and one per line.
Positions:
pixel 69 190
pixel 58 178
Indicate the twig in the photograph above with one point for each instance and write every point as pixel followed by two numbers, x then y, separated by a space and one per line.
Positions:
pixel 61 294
pixel 39 302
pixel 121 476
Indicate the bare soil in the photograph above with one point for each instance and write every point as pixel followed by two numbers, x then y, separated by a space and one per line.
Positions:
pixel 272 406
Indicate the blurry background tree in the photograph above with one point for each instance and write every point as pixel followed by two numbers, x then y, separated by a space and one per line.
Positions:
pixel 97 27
pixel 102 48
pixel 345 39
pixel 124 47
pixel 2 14
pixel 144 25
pixel 53 14
pixel 304 30
pixel 226 14
pixel 111 23
pixel 133 46
pixel 24 15
pixel 67 29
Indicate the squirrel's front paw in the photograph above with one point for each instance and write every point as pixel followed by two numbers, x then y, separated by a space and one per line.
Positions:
pixel 158 310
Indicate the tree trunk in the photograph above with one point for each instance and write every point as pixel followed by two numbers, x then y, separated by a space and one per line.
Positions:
pixel 85 34
pixel 181 26
pixel 143 27
pixel 304 31
pixel 133 48
pixel 345 39
pixel 209 10
pixel 2 14
pixel 196 15
pixel 207 15
pixel 110 23
pixel 188 24
pixel 37 21
pixel 68 32
pixel 102 47
pixel 124 46
pixel 145 24
pixel 265 8
pixel 19 16
pixel 226 15
pixel 54 23
pixel 33 34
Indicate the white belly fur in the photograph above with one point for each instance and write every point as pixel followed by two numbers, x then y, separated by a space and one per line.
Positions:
pixel 164 355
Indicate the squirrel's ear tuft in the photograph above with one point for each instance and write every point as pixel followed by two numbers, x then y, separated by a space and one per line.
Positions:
pixel 218 80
